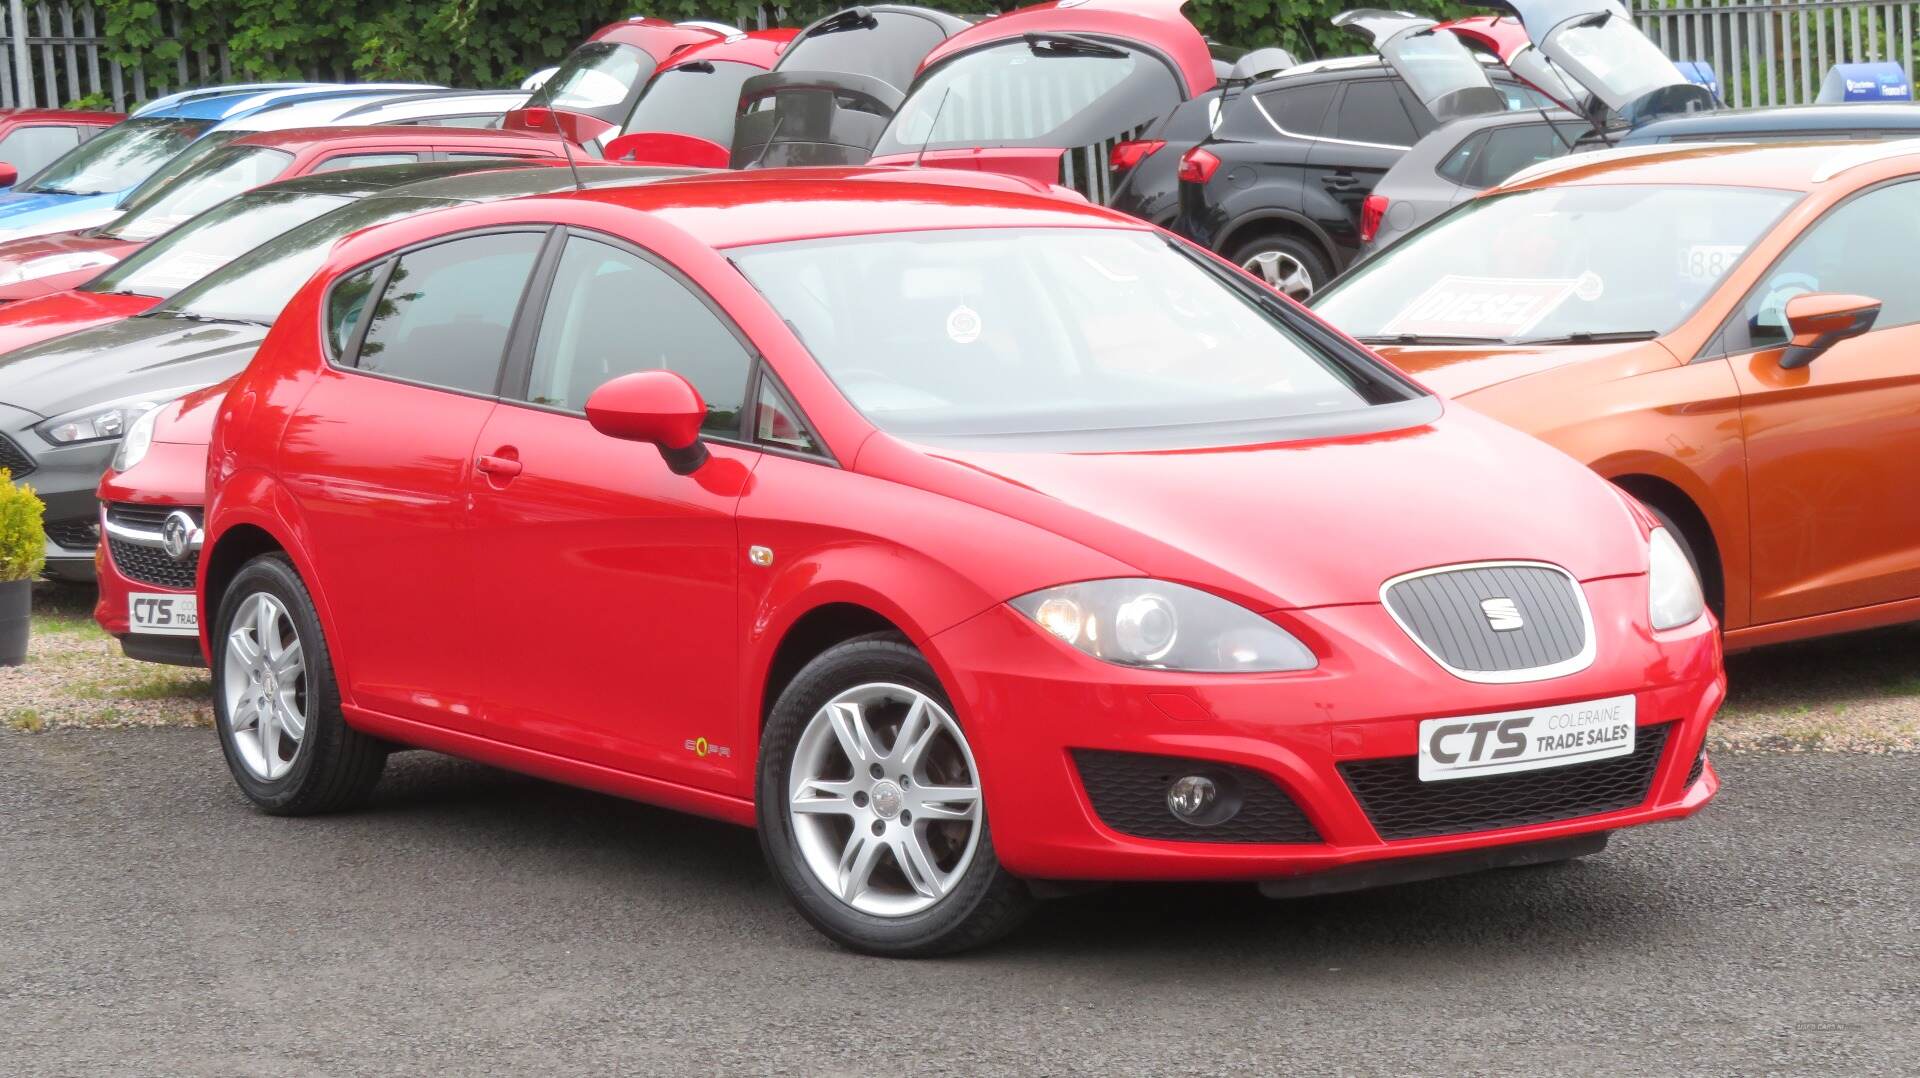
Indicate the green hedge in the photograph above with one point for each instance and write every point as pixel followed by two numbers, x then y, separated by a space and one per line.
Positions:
pixel 496 42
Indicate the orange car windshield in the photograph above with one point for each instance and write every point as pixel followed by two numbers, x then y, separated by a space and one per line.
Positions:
pixel 1556 263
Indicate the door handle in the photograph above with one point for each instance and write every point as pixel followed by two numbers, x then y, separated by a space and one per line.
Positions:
pixel 498 467
pixel 1340 181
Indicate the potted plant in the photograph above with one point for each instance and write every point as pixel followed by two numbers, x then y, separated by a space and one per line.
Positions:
pixel 23 550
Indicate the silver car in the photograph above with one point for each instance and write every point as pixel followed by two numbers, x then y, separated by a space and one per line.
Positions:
pixel 1458 161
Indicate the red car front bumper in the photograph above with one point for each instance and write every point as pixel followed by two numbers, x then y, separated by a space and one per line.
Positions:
pixel 168 478
pixel 1041 717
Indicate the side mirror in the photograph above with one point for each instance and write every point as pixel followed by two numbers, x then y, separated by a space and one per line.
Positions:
pixel 658 407
pixel 8 175
pixel 1820 320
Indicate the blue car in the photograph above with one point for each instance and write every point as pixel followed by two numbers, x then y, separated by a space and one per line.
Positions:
pixel 85 186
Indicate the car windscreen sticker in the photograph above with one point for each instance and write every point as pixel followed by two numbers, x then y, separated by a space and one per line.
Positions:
pixel 1709 261
pixel 963 325
pixel 1500 307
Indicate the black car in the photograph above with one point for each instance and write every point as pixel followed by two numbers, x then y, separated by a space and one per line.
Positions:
pixel 1279 184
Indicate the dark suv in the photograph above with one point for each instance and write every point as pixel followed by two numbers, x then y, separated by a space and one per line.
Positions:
pixel 1279 185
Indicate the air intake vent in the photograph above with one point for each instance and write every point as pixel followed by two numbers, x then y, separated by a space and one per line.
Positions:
pixel 14 459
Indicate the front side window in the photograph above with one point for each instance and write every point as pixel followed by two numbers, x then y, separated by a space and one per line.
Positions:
pixel 30 149
pixel 211 240
pixel 1070 334
pixel 446 311
pixel 255 286
pixel 1865 248
pixel 213 180
pixel 590 334
pixel 364 160
pixel 121 157
pixel 597 75
pixel 1037 92
pixel 698 100
pixel 1548 263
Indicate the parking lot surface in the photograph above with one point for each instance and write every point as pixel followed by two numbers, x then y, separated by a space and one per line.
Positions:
pixel 473 921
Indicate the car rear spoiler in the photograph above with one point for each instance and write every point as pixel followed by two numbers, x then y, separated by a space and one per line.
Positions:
pixel 816 118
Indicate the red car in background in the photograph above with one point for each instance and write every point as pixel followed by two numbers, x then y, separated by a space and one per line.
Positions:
pixel 1503 38
pixel 31 138
pixel 685 114
pixel 952 536
pixel 40 265
pixel 595 87
pixel 1056 92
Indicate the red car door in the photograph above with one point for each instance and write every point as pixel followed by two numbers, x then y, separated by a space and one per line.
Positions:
pixel 379 454
pixel 610 582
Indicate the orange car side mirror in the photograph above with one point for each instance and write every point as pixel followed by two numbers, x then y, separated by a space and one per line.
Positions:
pixel 1820 320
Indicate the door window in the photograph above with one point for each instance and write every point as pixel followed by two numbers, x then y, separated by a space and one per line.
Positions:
pixel 1374 111
pixel 30 149
pixel 1498 153
pixel 611 312
pixel 1864 247
pixel 364 160
pixel 447 310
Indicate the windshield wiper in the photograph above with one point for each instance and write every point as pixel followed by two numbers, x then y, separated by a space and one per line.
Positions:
pixel 1607 337
pixel 1067 45
pixel 1421 338
pixel 208 318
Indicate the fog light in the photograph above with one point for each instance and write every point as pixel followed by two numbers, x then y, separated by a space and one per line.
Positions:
pixel 1190 798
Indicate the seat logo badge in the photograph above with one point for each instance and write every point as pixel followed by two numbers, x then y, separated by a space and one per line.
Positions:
pixel 760 555
pixel 1503 614
pixel 703 748
pixel 176 535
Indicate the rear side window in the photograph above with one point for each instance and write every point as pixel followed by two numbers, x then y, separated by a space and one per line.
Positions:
pixel 30 149
pixel 346 304
pixel 1458 166
pixel 445 314
pixel 1373 111
pixel 364 160
pixel 1301 110
pixel 589 334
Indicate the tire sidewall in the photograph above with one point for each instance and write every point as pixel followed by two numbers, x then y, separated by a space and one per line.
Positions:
pixel 833 672
pixel 273 575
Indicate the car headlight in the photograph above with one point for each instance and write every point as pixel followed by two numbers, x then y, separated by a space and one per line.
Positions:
pixel 139 438
pixel 1164 626
pixel 1673 591
pixel 100 422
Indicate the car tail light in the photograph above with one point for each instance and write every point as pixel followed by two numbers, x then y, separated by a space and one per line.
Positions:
pixel 1125 155
pixel 1197 166
pixel 1372 212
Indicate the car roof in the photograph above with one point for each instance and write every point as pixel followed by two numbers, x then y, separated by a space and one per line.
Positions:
pixel 513 179
pixel 360 182
pixel 731 209
pixel 438 103
pixel 1789 166
pixel 322 111
pixel 1866 115
pixel 300 138
pixel 61 116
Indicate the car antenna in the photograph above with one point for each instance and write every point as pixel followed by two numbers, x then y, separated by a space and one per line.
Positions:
pixel 1307 40
pixel 566 148
pixel 932 127
pixel 773 136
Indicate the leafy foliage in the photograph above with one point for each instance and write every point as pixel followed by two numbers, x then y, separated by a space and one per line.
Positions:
pixel 23 538
pixel 497 42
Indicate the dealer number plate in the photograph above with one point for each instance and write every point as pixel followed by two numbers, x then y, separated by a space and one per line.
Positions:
pixel 165 615
pixel 1527 740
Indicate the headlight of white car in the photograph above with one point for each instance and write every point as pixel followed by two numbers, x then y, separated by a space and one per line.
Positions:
pixel 139 438
pixel 1159 625
pixel 1673 591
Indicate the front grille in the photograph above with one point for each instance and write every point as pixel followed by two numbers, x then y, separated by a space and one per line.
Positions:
pixel 151 565
pixel 1452 614
pixel 79 534
pixel 14 459
pixel 1699 767
pixel 1400 806
pixel 146 518
pixel 1129 793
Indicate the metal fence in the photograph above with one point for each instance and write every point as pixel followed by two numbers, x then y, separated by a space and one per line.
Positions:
pixel 1777 53
pixel 56 52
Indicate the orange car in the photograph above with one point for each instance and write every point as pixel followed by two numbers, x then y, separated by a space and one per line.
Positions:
pixel 1731 333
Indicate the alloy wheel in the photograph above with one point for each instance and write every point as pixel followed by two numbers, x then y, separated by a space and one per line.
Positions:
pixel 1281 271
pixel 264 686
pixel 884 799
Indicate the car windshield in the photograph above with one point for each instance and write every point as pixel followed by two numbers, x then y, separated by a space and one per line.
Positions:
pixel 1556 262
pixel 117 158
pixel 697 100
pixel 1046 91
pixel 257 286
pixel 1082 332
pixel 211 240
pixel 1611 57
pixel 214 180
pixel 163 177
pixel 596 75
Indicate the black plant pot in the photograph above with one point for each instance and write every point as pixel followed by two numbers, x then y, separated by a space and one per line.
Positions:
pixel 16 606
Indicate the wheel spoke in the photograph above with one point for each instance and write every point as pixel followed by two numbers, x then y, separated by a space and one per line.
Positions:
pixel 826 798
pixel 244 714
pixel 916 864
pixel 946 802
pixel 857 861
pixel 917 731
pixel 268 730
pixel 290 663
pixel 850 727
pixel 242 648
pixel 265 627
pixel 288 716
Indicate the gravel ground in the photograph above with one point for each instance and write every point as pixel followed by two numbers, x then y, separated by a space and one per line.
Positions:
pixel 1857 693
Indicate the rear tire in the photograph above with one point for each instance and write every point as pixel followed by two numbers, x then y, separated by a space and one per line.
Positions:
pixel 1287 263
pixel 276 706
pixel 851 858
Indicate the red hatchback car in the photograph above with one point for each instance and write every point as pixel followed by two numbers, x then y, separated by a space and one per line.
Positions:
pixel 954 535
pixel 30 139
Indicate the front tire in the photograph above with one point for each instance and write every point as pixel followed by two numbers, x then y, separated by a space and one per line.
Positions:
pixel 870 808
pixel 275 702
